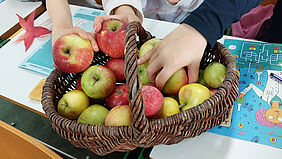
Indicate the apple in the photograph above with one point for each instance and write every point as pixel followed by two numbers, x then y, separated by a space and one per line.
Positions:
pixel 98 81
pixel 201 78
pixel 111 37
pixel 175 82
pixel 213 91
pixel 147 46
pixel 78 84
pixel 118 97
pixel 119 116
pixel 142 73
pixel 117 66
pixel 94 115
pixel 214 74
pixel 153 101
pixel 170 107
pixel 72 54
pixel 72 104
pixel 193 94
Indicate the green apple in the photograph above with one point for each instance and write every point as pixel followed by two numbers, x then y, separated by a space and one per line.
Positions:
pixel 147 46
pixel 119 116
pixel 193 94
pixel 201 78
pixel 142 73
pixel 94 115
pixel 98 81
pixel 214 74
pixel 170 107
pixel 175 82
pixel 72 104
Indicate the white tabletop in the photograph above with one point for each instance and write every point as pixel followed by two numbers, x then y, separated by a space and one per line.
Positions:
pixel 9 9
pixel 16 84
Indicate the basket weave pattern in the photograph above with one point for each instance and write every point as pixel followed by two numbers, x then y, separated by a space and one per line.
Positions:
pixel 143 132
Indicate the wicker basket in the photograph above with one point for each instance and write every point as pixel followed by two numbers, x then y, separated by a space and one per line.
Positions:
pixel 143 132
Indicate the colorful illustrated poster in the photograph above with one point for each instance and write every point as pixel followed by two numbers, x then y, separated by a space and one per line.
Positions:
pixel 41 60
pixel 257 113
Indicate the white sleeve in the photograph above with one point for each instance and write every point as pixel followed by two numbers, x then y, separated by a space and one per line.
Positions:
pixel 109 5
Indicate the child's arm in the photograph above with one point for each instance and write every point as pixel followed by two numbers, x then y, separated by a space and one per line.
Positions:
pixel 186 44
pixel 212 17
pixel 60 15
pixel 111 5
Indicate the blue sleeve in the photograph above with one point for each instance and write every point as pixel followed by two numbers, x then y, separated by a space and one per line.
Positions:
pixel 212 17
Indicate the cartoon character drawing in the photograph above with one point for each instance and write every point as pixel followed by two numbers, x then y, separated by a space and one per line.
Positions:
pixel 271 117
pixel 271 90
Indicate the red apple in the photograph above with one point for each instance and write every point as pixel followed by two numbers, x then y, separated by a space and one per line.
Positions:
pixel 98 81
pixel 153 101
pixel 118 97
pixel 72 54
pixel 213 91
pixel 117 66
pixel 78 84
pixel 111 37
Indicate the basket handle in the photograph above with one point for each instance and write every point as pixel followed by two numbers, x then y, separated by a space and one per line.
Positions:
pixel 140 123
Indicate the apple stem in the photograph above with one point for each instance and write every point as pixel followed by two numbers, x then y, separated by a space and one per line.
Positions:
pixel 67 51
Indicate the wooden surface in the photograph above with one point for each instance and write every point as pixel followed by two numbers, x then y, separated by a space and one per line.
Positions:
pixel 16 144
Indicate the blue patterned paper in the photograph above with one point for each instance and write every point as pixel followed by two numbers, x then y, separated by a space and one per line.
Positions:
pixel 257 113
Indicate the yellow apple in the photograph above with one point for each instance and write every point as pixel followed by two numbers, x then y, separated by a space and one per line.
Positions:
pixel 119 116
pixel 175 82
pixel 193 94
pixel 72 104
pixel 170 107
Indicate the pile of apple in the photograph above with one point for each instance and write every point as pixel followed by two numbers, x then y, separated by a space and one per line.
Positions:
pixel 73 54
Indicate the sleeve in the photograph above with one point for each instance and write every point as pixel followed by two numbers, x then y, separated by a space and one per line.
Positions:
pixel 110 5
pixel 212 17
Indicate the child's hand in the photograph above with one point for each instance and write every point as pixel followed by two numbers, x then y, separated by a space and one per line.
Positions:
pixel 182 47
pixel 57 33
pixel 124 13
pixel 101 18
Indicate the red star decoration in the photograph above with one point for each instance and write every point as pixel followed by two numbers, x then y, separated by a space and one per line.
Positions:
pixel 31 31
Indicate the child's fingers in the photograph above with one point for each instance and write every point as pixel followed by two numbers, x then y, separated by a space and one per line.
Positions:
pixel 193 72
pixel 153 69
pixel 163 76
pixel 93 42
pixel 145 58
pixel 147 55
pixel 80 32
pixel 87 36
pixel 100 19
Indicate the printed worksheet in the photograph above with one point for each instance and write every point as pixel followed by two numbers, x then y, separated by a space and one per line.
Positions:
pixel 257 112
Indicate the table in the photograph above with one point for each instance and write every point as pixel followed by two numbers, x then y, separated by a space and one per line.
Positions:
pixel 16 84
pixel 8 11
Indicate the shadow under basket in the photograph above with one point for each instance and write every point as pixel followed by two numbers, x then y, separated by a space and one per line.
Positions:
pixel 143 132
